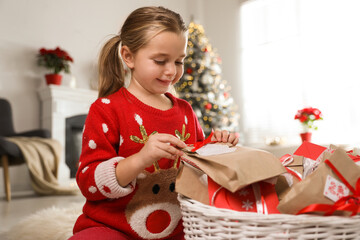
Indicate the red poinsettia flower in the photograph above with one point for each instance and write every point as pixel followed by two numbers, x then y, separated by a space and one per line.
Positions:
pixel 307 116
pixel 56 60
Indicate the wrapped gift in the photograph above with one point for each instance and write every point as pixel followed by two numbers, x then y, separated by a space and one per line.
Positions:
pixel 229 173
pixel 235 168
pixel 304 161
pixel 294 167
pixel 333 188
pixel 192 183
pixel 311 155
pixel 354 154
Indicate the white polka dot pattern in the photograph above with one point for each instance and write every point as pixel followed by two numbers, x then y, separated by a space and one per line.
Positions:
pixel 105 128
pixel 138 119
pixel 92 189
pixel 121 140
pixel 92 144
pixel 105 100
pixel 85 169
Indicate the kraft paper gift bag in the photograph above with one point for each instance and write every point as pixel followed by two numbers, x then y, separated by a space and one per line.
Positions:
pixel 294 174
pixel 325 191
pixel 238 168
pixel 192 183
pixel 258 197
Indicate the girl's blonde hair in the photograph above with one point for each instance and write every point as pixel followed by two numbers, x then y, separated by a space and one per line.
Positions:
pixel 139 27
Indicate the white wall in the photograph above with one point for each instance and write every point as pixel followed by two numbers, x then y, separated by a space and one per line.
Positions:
pixel 220 20
pixel 80 27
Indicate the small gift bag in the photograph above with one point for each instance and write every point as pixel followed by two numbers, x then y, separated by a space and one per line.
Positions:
pixel 192 183
pixel 231 174
pixel 294 168
pixel 304 161
pixel 333 188
pixel 311 154
pixel 236 168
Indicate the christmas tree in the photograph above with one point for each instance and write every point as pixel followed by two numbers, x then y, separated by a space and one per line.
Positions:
pixel 202 85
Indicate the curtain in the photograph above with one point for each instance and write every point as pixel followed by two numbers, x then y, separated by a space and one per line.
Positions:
pixel 296 54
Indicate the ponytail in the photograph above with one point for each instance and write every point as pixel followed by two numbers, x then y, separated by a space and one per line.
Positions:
pixel 111 69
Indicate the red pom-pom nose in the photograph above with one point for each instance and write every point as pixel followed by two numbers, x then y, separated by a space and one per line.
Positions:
pixel 158 221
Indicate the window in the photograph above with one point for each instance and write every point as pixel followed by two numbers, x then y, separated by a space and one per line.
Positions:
pixel 299 53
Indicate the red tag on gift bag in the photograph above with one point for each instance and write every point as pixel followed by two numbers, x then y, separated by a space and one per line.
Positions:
pixel 309 150
pixel 258 197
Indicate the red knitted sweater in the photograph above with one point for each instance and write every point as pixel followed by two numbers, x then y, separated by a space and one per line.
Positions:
pixel 116 127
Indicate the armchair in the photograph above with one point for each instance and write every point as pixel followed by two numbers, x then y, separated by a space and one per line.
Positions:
pixel 9 152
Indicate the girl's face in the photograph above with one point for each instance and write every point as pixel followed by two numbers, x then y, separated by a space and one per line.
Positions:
pixel 159 64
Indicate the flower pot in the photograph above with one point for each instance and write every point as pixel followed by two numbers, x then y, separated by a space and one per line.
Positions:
pixel 53 79
pixel 306 136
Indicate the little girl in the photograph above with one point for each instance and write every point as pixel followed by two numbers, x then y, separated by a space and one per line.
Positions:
pixel 133 136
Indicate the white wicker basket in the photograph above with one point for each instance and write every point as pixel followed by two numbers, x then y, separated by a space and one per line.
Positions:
pixel 207 222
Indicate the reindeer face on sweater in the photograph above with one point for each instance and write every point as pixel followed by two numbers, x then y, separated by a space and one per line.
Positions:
pixel 154 211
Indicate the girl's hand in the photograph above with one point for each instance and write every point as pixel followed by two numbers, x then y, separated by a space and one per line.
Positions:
pixel 225 137
pixel 159 146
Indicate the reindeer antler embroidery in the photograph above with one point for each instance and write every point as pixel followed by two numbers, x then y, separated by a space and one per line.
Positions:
pixel 183 137
pixel 144 135
pixel 144 139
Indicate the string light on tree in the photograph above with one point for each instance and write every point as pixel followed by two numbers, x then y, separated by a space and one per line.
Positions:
pixel 203 87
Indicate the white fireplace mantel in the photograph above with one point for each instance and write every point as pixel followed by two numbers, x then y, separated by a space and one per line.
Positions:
pixel 57 104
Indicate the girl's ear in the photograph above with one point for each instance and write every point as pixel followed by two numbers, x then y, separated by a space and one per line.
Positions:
pixel 127 56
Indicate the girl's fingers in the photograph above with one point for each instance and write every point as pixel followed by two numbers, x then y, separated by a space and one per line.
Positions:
pixel 232 138
pixel 172 140
pixel 167 154
pixel 172 150
pixel 216 136
pixel 167 145
pixel 225 136
pixel 220 136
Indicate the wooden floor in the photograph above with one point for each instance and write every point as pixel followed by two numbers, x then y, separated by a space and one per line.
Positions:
pixel 25 203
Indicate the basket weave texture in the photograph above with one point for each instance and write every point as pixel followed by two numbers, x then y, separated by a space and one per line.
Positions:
pixel 206 222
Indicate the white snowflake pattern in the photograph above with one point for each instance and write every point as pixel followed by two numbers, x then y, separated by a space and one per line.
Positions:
pixel 247 205
pixel 243 192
